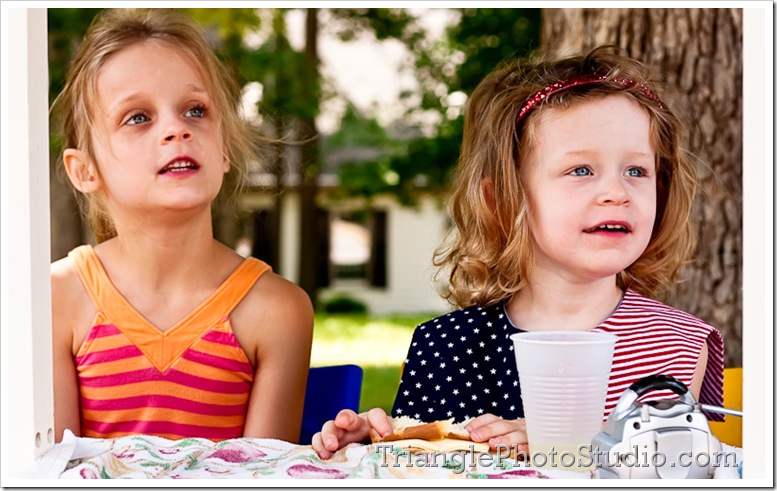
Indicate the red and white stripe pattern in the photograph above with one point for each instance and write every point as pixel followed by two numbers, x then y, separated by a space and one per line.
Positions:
pixel 654 338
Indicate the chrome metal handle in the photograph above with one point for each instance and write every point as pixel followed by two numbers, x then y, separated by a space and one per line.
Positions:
pixel 720 410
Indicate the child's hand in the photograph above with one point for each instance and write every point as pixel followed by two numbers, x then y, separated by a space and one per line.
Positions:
pixel 349 427
pixel 498 431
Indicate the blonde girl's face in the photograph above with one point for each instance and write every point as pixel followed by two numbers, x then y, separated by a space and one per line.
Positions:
pixel 157 140
pixel 591 186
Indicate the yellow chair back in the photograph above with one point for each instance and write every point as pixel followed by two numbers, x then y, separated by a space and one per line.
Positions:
pixel 730 431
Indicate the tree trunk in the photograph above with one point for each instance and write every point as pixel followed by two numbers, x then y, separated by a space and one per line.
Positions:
pixel 698 54
pixel 309 237
pixel 279 170
pixel 226 226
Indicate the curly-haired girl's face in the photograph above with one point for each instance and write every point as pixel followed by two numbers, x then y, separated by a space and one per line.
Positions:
pixel 591 188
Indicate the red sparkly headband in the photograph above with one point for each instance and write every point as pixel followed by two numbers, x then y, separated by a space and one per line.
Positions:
pixel 539 97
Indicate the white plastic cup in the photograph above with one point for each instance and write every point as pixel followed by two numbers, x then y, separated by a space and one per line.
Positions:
pixel 563 377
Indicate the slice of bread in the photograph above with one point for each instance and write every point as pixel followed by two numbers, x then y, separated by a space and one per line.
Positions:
pixel 446 445
pixel 442 435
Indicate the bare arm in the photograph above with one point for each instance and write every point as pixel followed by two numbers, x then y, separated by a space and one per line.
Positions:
pixel 280 317
pixel 70 306
pixel 699 371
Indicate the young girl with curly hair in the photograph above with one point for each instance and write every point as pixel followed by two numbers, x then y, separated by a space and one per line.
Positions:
pixel 571 209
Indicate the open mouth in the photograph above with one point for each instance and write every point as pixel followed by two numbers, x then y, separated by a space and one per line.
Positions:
pixel 179 166
pixel 609 227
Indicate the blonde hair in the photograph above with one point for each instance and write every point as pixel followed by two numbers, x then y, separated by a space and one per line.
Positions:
pixel 111 32
pixel 488 254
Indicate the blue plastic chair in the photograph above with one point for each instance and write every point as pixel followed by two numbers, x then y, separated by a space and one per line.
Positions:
pixel 330 389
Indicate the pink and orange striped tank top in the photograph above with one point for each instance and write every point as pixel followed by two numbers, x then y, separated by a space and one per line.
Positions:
pixel 192 380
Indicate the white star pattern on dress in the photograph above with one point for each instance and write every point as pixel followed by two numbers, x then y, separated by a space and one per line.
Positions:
pixel 463 367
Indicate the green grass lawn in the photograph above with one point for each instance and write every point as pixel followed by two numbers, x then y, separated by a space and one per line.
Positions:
pixel 376 343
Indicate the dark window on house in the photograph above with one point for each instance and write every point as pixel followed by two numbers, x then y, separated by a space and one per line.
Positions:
pixel 377 265
pixel 264 237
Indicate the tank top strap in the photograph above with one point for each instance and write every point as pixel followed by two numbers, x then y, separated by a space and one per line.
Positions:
pixel 93 276
pixel 237 286
pixel 106 298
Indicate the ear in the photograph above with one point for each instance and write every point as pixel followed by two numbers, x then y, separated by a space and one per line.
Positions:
pixel 487 187
pixel 226 163
pixel 81 171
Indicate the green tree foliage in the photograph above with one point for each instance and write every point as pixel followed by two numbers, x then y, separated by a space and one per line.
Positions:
pixel 279 68
pixel 383 23
pixel 473 46
pixel 66 27
pixel 356 130
pixel 227 29
pixel 489 36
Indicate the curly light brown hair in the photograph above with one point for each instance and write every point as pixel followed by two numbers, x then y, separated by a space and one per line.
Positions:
pixel 488 254
pixel 115 30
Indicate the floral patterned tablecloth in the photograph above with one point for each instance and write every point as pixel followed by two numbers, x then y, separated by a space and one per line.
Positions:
pixel 256 458
pixel 252 458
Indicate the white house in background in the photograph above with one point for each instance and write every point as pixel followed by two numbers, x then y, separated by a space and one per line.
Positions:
pixel 382 258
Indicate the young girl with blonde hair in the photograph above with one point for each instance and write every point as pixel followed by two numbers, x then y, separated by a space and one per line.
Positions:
pixel 571 208
pixel 160 329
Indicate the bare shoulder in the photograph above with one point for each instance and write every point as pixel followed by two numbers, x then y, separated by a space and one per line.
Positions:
pixel 274 310
pixel 274 297
pixel 282 291
pixel 65 282
pixel 71 308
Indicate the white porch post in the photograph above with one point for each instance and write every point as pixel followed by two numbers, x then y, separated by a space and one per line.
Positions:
pixel 28 406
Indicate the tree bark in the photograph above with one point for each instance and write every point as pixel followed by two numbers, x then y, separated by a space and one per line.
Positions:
pixel 698 54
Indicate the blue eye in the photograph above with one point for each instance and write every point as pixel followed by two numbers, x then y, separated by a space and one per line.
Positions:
pixel 581 171
pixel 636 172
pixel 137 119
pixel 196 112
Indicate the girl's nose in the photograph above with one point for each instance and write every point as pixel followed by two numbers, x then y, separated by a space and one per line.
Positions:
pixel 177 131
pixel 613 192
